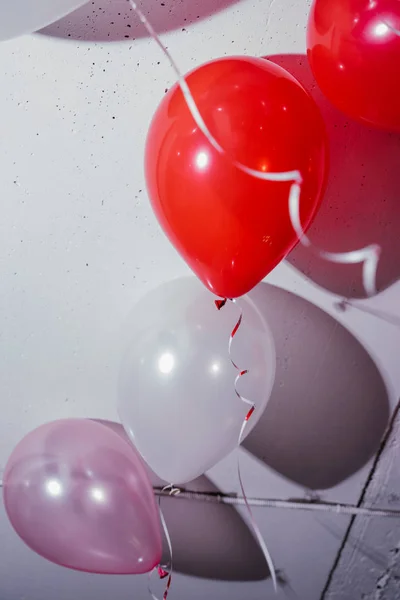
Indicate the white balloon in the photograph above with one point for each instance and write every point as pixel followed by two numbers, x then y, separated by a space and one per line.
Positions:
pixel 18 17
pixel 177 397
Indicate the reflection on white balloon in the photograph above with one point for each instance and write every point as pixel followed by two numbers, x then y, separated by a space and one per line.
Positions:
pixel 166 363
pixel 215 368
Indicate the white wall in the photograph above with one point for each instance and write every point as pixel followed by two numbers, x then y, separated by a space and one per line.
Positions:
pixel 79 245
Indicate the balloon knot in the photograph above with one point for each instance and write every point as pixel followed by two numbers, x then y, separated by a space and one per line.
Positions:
pixel 220 303
pixel 162 573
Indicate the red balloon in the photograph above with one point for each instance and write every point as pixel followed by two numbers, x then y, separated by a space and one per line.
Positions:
pixel 231 228
pixel 354 53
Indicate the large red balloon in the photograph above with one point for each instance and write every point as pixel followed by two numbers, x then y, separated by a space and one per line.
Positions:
pixel 354 53
pixel 230 227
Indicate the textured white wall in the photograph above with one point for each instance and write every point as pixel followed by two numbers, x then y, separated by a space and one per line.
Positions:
pixel 368 565
pixel 79 245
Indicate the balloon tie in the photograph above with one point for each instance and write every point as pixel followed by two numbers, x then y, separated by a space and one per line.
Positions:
pixel 220 303
pixel 162 573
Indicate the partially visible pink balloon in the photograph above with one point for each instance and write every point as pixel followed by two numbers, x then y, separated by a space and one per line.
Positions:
pixel 79 495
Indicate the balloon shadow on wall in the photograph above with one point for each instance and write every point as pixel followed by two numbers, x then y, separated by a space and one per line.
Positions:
pixel 113 20
pixel 361 205
pixel 208 540
pixel 211 540
pixel 329 407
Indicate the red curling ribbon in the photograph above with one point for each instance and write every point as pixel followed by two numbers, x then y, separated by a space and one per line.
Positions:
pixel 250 411
pixel 241 372
pixel 166 591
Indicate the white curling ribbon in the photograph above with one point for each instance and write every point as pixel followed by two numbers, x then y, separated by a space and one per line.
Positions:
pixel 368 256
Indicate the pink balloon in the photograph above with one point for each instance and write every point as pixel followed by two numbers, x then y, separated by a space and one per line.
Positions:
pixel 79 495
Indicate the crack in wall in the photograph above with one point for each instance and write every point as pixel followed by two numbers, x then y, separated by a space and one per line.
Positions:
pixel 386 441
pixel 387 576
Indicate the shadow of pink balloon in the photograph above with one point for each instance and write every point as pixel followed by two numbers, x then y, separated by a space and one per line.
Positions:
pixel 208 540
pixel 329 406
pixel 361 205
pixel 110 20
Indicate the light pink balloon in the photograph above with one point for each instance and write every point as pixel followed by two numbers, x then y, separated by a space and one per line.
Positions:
pixel 79 495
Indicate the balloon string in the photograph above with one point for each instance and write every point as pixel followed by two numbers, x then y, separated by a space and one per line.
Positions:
pixel 241 372
pixel 167 571
pixel 220 304
pixel 256 528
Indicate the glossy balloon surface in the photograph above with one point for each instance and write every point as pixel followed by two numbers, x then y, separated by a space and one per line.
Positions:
pixel 354 52
pixel 79 495
pixel 177 394
pixel 230 227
